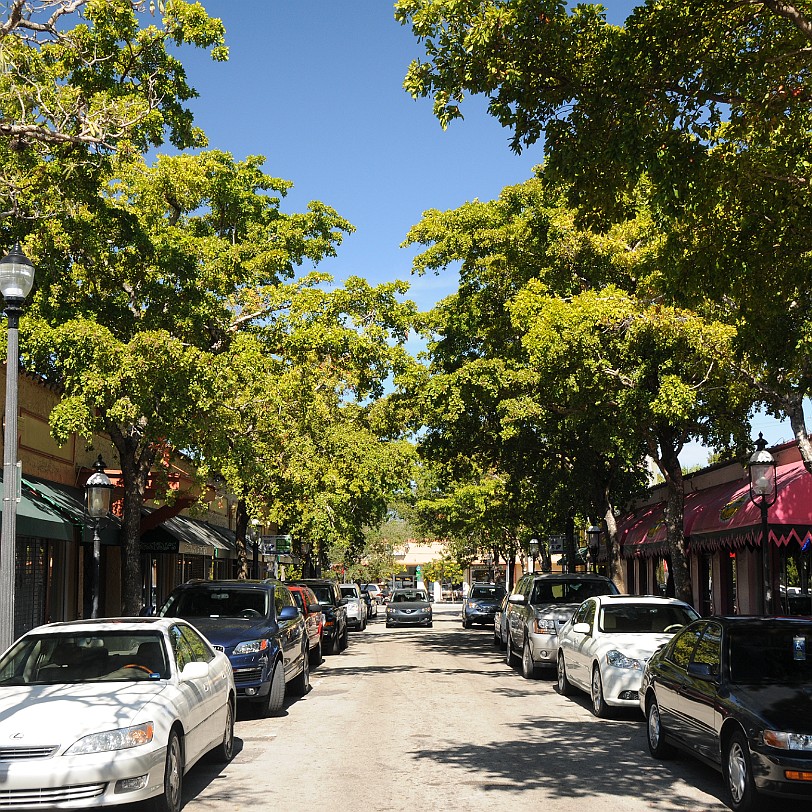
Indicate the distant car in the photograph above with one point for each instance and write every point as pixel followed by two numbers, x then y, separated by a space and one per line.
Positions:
pixel 356 608
pixel 310 608
pixel 409 607
pixel 735 692
pixel 607 642
pixel 371 604
pixel 541 603
pixel 105 712
pixel 375 592
pixel 481 603
pixel 259 627
pixel 499 621
pixel 334 636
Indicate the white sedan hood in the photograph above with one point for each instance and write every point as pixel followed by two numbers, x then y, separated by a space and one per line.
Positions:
pixel 47 715
pixel 640 646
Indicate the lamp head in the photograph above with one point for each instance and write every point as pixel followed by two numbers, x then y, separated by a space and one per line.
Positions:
pixel 16 276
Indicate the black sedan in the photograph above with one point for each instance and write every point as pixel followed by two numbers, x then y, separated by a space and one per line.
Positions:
pixel 736 692
pixel 409 607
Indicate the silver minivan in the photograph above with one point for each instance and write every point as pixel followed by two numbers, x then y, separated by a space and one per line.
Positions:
pixel 540 604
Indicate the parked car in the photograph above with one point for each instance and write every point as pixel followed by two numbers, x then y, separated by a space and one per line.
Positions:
pixel 375 592
pixel 334 607
pixel 540 605
pixel 409 607
pixel 310 608
pixel 259 627
pixel 370 603
pixel 499 622
pixel 735 692
pixel 607 642
pixel 106 712
pixel 480 605
pixel 356 608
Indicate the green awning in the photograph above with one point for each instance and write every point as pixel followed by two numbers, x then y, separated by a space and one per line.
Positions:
pixel 181 534
pixel 37 519
pixel 69 502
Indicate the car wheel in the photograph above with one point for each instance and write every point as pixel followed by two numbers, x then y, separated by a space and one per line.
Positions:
pixel 271 705
pixel 300 685
pixel 528 666
pixel 599 706
pixel 224 751
pixel 466 624
pixel 564 685
pixel 655 736
pixel 389 625
pixel 739 774
pixel 335 645
pixel 316 655
pixel 345 639
pixel 510 657
pixel 170 799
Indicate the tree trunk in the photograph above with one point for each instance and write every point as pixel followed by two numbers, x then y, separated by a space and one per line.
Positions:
pixel 240 529
pixel 674 523
pixel 136 464
pixel 615 566
pixel 795 412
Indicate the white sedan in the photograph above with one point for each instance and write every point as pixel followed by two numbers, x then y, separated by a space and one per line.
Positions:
pixel 604 646
pixel 103 712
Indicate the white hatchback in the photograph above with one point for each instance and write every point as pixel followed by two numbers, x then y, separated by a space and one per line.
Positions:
pixel 605 645
pixel 99 713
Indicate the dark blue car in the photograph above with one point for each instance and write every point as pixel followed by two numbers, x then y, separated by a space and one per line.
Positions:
pixel 481 604
pixel 260 629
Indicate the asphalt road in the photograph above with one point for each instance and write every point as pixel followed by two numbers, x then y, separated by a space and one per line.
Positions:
pixel 433 719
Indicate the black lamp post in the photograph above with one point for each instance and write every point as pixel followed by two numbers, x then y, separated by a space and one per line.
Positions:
pixel 16 281
pixel 534 551
pixel 98 493
pixel 593 540
pixel 763 492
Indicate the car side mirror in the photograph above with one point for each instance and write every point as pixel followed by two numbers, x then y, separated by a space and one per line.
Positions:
pixel 518 600
pixel 288 613
pixel 194 670
pixel 343 601
pixel 703 671
pixel 582 628
pixel 314 608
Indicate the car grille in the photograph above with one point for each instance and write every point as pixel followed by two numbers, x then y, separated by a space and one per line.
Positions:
pixel 243 676
pixel 20 753
pixel 28 798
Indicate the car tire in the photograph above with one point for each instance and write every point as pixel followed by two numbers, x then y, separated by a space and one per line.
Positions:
pixel 510 657
pixel 335 644
pixel 430 624
pixel 345 639
pixel 272 704
pixel 224 751
pixel 599 706
pixel 528 666
pixel 564 685
pixel 170 799
pixel 316 656
pixel 300 685
pixel 389 625
pixel 738 772
pixel 655 735
pixel 466 624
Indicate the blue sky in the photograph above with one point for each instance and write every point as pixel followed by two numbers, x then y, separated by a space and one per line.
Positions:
pixel 316 87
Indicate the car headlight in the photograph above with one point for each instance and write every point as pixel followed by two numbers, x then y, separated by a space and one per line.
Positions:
pixel 252 646
pixel 618 659
pixel 788 741
pixel 542 626
pixel 120 739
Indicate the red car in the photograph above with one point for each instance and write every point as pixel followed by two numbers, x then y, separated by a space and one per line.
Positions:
pixel 309 605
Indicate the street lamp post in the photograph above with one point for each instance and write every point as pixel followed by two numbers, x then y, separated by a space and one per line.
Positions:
pixel 593 540
pixel 98 492
pixel 763 492
pixel 534 551
pixel 16 281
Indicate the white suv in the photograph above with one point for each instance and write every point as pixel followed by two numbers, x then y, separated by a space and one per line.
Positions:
pixel 356 608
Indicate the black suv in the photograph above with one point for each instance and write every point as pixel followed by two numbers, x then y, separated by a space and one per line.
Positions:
pixel 334 606
pixel 260 629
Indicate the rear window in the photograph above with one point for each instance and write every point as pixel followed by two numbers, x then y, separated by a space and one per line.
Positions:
pixel 770 654
pixel 487 593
